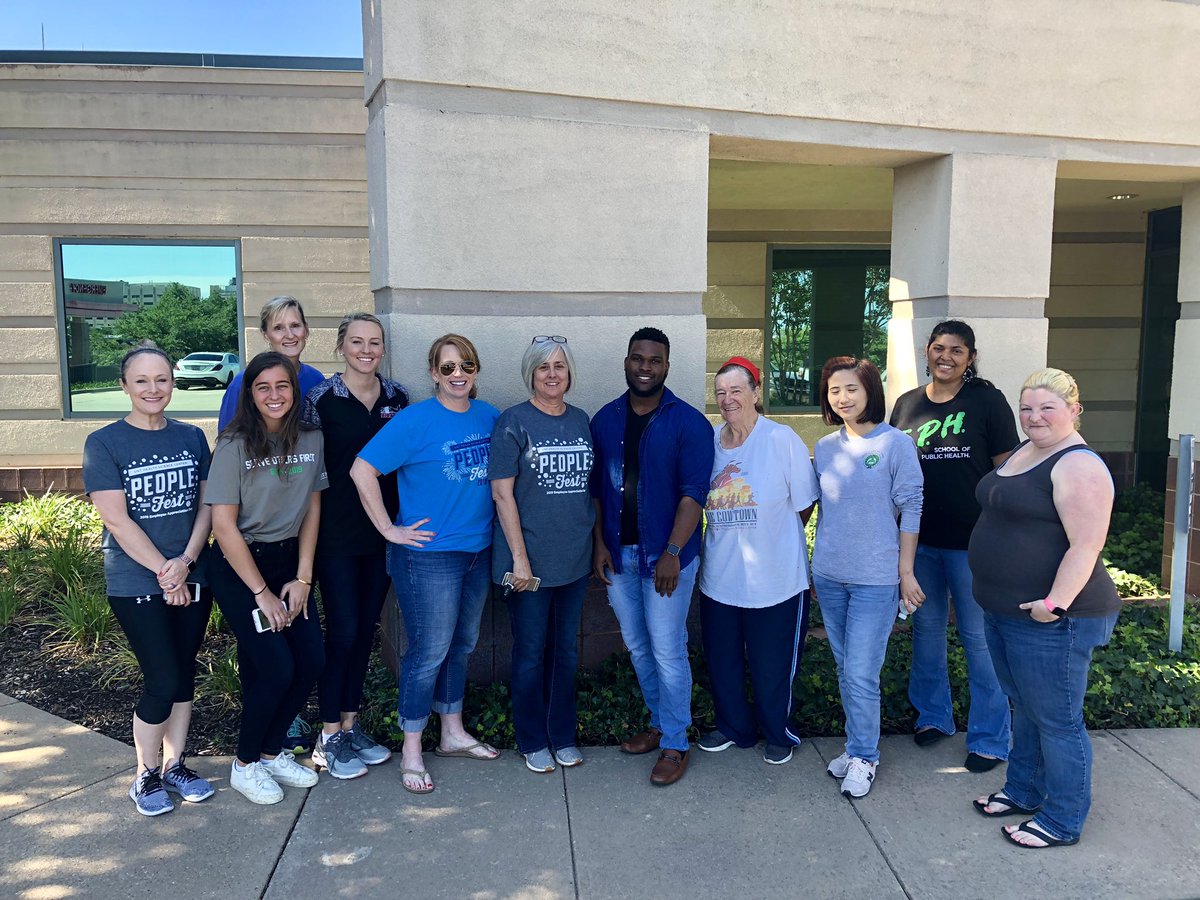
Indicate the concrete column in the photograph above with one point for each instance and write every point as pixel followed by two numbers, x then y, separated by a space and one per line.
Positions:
pixel 503 226
pixel 1185 378
pixel 971 239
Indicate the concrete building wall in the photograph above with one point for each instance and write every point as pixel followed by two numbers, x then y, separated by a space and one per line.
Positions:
pixel 273 158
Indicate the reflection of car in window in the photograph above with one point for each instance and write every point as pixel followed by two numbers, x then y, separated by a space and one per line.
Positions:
pixel 208 369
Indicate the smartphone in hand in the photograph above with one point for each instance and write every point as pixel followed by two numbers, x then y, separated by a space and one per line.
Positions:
pixel 261 622
pixel 508 583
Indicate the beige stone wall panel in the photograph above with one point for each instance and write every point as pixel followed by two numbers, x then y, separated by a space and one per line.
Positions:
pixel 1097 264
pixel 74 208
pixel 735 301
pixel 737 263
pixel 1072 69
pixel 515 204
pixel 164 111
pixel 174 160
pixel 31 253
pixel 1095 300
pixel 27 299
pixel 319 298
pixel 29 392
pixel 23 346
pixel 322 255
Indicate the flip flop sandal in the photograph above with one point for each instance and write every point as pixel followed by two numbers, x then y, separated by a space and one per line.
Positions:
pixel 465 752
pixel 1012 808
pixel 416 773
pixel 1034 831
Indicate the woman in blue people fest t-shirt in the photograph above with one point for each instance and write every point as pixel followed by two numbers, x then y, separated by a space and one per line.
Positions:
pixel 439 546
pixel 146 475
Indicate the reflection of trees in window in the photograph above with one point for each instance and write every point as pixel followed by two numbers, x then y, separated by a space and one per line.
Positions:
pixel 791 349
pixel 823 303
pixel 179 322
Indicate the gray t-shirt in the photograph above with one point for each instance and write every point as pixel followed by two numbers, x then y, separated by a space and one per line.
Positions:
pixel 160 474
pixel 270 507
pixel 865 484
pixel 551 459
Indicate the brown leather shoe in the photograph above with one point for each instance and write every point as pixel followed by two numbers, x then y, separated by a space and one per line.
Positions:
pixel 642 743
pixel 670 767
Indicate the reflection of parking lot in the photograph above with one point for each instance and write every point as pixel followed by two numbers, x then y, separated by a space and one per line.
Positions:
pixel 116 401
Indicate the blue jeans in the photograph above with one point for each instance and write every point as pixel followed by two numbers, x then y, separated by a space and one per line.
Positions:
pixel 545 626
pixel 654 629
pixel 943 574
pixel 1043 667
pixel 441 594
pixel 858 620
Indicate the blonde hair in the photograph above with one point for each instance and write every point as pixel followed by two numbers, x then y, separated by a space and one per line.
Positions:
pixel 356 317
pixel 1058 382
pixel 465 349
pixel 276 307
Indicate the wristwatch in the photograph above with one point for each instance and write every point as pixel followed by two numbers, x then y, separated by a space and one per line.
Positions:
pixel 674 550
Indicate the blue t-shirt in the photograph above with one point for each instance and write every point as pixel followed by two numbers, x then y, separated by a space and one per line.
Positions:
pixel 309 379
pixel 440 458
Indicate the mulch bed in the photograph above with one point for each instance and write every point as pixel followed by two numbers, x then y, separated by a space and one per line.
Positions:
pixel 67 684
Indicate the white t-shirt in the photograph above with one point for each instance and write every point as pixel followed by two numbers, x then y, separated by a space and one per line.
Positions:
pixel 754 551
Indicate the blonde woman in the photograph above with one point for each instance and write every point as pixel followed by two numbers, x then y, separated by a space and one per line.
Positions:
pixel 1048 603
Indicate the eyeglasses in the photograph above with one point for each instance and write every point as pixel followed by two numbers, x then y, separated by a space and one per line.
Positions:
pixel 468 367
pixel 542 338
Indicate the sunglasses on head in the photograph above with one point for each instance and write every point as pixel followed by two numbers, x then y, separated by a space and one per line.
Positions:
pixel 542 338
pixel 468 367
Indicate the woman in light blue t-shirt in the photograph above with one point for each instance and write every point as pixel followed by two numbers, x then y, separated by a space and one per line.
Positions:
pixel 862 563
pixel 439 547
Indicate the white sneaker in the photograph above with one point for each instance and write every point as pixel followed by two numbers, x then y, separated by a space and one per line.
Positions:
pixel 285 770
pixel 253 783
pixel 838 767
pixel 860 775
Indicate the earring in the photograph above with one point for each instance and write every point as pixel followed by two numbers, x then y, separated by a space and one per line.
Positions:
pixel 927 369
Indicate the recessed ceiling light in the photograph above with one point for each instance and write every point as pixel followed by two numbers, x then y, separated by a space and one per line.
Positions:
pixel 1122 196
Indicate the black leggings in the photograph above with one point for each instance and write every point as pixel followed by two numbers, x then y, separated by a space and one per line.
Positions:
pixel 353 589
pixel 165 640
pixel 278 668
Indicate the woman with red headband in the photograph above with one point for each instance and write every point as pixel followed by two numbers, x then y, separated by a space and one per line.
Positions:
pixel 754 577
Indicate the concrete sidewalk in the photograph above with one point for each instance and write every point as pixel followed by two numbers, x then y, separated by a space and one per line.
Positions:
pixel 732 827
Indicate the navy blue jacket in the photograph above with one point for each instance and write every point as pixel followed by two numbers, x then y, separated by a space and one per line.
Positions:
pixel 675 461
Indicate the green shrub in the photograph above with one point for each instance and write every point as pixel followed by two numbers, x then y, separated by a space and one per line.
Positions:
pixel 80 616
pixel 218 682
pixel 35 520
pixel 1135 533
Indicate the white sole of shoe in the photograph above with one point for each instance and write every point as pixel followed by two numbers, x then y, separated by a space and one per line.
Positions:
pixel 538 769
pixel 724 746
pixel 376 762
pixel 778 762
pixel 151 812
pixel 260 800
pixel 193 799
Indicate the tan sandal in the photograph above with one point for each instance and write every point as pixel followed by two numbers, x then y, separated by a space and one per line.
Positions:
pixel 466 752
pixel 416 773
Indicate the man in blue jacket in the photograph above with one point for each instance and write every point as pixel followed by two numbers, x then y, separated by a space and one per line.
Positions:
pixel 654 457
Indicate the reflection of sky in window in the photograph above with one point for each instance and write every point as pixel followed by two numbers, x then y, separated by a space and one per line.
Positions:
pixel 139 263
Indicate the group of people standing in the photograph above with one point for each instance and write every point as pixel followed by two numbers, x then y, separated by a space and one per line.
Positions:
pixel 341 481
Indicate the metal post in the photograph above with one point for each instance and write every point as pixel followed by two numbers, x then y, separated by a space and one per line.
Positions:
pixel 1184 486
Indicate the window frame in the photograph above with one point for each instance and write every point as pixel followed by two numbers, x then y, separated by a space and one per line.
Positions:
pixel 60 309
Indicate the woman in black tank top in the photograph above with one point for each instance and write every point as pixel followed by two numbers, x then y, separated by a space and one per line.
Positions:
pixel 1048 603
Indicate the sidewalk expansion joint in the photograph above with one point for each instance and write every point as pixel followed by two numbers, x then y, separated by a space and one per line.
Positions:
pixel 283 847
pixel 1183 787
pixel 570 833
pixel 874 840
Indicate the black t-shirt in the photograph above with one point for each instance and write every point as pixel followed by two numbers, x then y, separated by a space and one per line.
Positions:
pixel 956 441
pixel 635 427
pixel 348 425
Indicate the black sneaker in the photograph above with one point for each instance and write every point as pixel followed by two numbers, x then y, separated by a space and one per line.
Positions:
pixel 300 737
pixel 776 755
pixel 714 742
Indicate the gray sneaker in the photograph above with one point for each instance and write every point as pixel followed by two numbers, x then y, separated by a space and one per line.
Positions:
pixel 539 761
pixel 181 780
pixel 148 793
pixel 568 757
pixel 333 752
pixel 715 741
pixel 367 748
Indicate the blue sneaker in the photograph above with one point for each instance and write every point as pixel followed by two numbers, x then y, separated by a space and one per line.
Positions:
pixel 300 737
pixel 181 780
pixel 148 793
pixel 367 748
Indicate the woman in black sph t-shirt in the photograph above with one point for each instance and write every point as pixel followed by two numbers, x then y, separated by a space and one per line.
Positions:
pixel 963 427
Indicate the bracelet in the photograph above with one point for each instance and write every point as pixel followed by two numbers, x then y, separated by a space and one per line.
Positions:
pixel 260 590
pixel 302 581
pixel 1052 607
pixel 187 561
